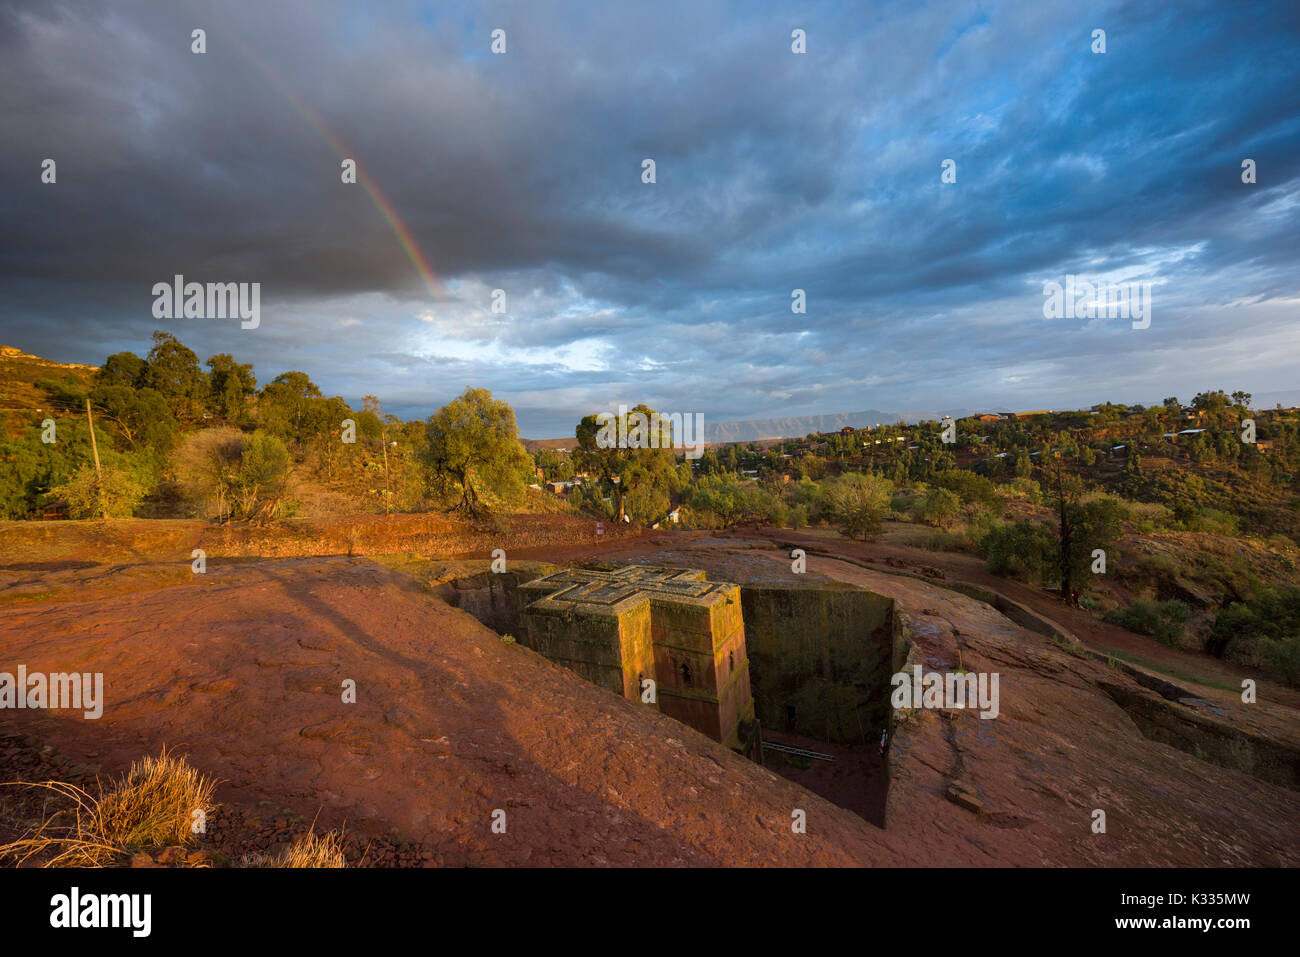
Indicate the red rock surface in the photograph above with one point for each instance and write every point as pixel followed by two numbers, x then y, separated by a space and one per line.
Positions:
pixel 241 669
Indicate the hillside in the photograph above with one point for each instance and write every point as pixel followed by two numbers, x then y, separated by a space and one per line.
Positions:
pixel 22 401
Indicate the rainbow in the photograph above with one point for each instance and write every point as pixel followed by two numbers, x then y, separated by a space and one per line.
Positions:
pixel 404 236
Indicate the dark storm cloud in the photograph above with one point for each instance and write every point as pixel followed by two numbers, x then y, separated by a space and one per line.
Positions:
pixel 775 171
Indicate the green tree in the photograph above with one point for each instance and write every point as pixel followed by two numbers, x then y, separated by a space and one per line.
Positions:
pixel 556 466
pixel 473 450
pixel 627 468
pixel 859 503
pixel 173 369
pixel 291 407
pixel 139 417
pixel 939 506
pixel 121 368
pixel 973 490
pixel 31 470
pixel 1081 527
pixel 1215 404
pixel 708 463
pixel 647 498
pixel 1173 412
pixel 231 385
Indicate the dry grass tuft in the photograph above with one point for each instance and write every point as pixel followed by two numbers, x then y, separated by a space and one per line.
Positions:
pixel 325 850
pixel 153 805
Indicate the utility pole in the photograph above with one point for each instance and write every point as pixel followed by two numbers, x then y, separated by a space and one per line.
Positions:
pixel 383 437
pixel 94 448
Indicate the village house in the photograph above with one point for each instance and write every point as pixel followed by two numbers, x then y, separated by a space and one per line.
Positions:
pixel 564 487
pixel 55 510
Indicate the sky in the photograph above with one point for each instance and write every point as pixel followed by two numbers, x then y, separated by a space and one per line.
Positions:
pixel 522 172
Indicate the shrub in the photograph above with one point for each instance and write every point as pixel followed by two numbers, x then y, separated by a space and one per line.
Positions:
pixel 1282 657
pixel 700 518
pixel 1266 625
pixel 808 495
pixel 1027 489
pixel 311 851
pixel 937 540
pixel 1148 516
pixel 1216 521
pixel 1022 550
pixel 979 521
pixel 969 487
pixel 1112 505
pixel 1281 543
pixel 902 502
pixel 151 806
pixel 939 506
pixel 591 498
pixel 258 486
pixel 231 475
pixel 112 490
pixel 205 464
pixel 858 503
pixel 1162 620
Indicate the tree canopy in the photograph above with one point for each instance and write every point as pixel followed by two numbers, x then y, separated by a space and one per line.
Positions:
pixel 473 451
